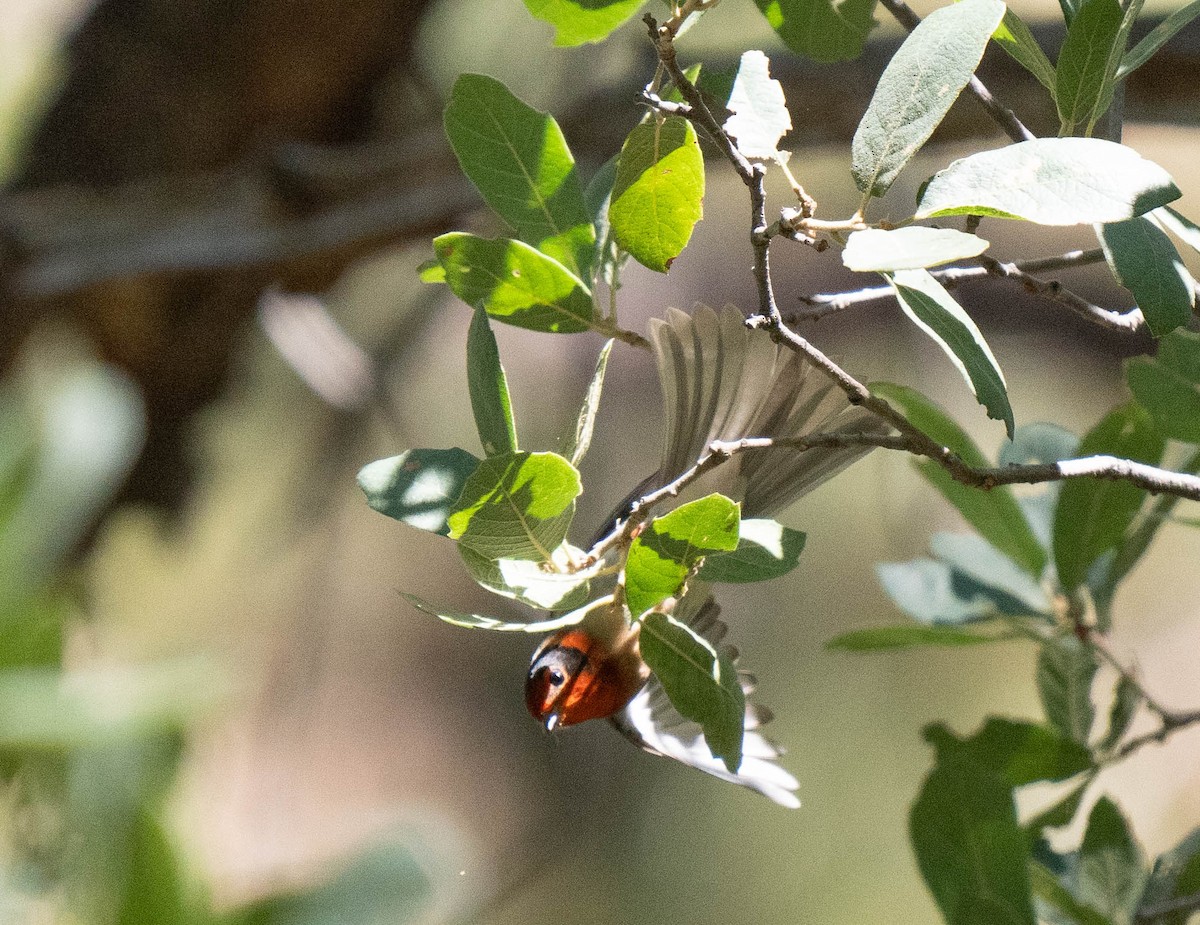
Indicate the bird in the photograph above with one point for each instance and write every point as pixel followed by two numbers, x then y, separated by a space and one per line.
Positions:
pixel 723 381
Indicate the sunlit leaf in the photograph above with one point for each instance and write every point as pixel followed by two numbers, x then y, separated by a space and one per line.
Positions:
pixel 665 552
pixel 1084 62
pixel 1051 181
pixel 515 283
pixel 477 621
pixel 971 555
pixel 579 21
pixel 918 87
pixel 759 111
pixel 908 248
pixel 658 193
pixel 823 30
pixel 935 593
pixel 701 683
pixel 516 506
pixel 531 581
pixel 1015 38
pixel 518 159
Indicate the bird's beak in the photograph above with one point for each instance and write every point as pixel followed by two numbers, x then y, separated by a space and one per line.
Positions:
pixel 552 722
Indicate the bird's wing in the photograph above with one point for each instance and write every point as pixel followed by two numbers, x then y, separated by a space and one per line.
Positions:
pixel 653 724
pixel 722 381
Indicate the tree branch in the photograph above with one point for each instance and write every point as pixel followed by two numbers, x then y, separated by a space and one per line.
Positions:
pixel 1145 915
pixel 1127 322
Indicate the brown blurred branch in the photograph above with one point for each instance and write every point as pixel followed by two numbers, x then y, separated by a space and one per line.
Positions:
pixel 68 238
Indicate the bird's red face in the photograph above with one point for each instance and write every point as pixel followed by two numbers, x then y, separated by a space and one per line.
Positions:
pixel 575 676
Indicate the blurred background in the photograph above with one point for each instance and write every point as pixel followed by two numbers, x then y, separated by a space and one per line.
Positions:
pixel 249 725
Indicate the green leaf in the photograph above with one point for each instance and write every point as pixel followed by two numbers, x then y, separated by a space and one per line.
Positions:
pixel 995 514
pixel 1126 700
pixel 1168 386
pixel 1176 874
pixel 515 283
pixel 518 159
pixel 1038 442
pixel 155 891
pixel 907 636
pixel 759 111
pixel 580 21
pixel 1179 225
pixel 1156 38
pixel 516 506
pixel 1135 543
pixel 663 555
pixel 476 621
pixel 388 883
pixel 766 549
pixel 609 259
pixel 933 592
pixel 488 387
pixel 918 87
pixel 1049 889
pixel 1060 812
pixel 658 193
pixel 1051 181
pixel 430 271
pixel 105 705
pixel 1020 752
pixel 700 683
pixel 1065 670
pixel 1069 9
pixel 586 422
pixel 934 311
pixel 1145 262
pixel 924 413
pixel 1093 514
pixel 1083 63
pixel 530 581
pixel 418 487
pixel 973 556
pixel 823 30
pixel 1015 38
pixel 970 849
pixel 1111 873
pixel 908 248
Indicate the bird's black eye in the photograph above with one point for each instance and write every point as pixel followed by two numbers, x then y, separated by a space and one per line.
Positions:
pixel 557 677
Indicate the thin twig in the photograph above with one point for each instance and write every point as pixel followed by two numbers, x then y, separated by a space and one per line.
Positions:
pixel 1099 644
pixel 753 175
pixel 1130 321
pixel 1003 116
pixel 1146 915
